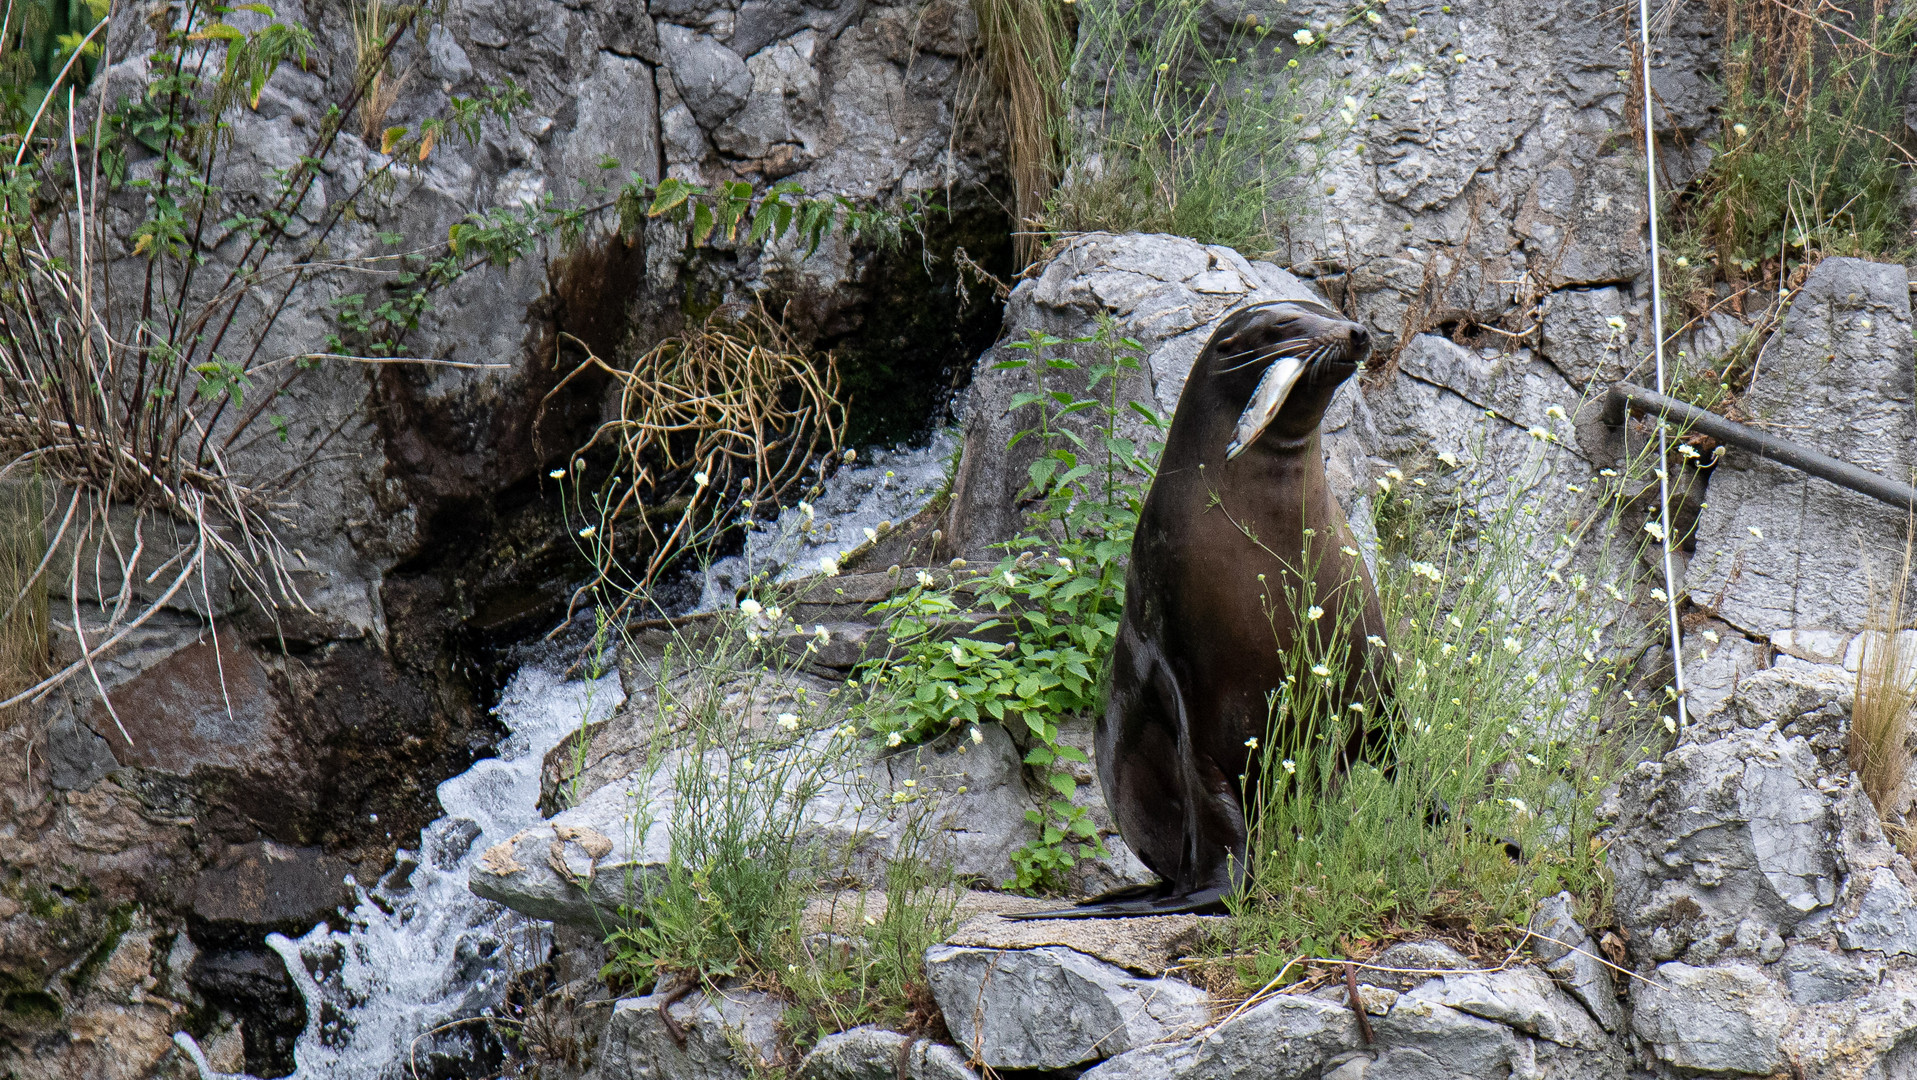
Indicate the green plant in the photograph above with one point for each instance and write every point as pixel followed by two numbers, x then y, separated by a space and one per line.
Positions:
pixel 24 629
pixel 1175 128
pixel 373 22
pixel 731 901
pixel 1487 797
pixel 852 966
pixel 1059 589
pixel 1810 156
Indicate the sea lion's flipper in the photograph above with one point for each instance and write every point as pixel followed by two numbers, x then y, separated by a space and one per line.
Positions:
pixel 1135 901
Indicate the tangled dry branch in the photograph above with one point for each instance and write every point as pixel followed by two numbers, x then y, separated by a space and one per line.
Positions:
pixel 716 425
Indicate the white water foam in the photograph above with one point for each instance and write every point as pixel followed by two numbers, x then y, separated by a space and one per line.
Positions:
pixel 885 489
pixel 420 952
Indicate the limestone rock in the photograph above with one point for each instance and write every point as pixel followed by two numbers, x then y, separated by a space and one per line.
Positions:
pixel 870 1053
pixel 1052 1007
pixel 1283 1038
pixel 730 1035
pixel 1718 1020
pixel 1782 548
pixel 1566 950
pixel 1147 945
pixel 1523 998
pixel 974 794
pixel 1886 917
pixel 711 79
pixel 1815 977
pixel 1721 834
pixel 1716 669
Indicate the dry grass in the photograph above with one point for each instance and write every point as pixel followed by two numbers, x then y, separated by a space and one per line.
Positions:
pixel 23 619
pixel 372 27
pixel 1880 723
pixel 1028 51
pixel 720 422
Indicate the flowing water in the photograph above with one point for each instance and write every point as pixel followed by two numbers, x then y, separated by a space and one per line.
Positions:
pixel 407 978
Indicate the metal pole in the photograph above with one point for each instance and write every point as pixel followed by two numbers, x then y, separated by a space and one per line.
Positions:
pixel 1644 402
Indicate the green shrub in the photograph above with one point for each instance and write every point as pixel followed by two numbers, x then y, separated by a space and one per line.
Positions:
pixel 1809 157
pixel 1059 589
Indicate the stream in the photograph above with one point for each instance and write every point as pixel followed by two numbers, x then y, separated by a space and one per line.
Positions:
pixel 403 983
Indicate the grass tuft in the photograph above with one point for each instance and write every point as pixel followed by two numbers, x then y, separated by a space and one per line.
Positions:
pixel 1183 125
pixel 1880 722
pixel 1811 156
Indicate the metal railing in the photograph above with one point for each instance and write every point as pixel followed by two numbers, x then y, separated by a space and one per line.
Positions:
pixel 1629 396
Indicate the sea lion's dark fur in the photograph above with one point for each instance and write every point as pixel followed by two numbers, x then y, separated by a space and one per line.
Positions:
pixel 1199 647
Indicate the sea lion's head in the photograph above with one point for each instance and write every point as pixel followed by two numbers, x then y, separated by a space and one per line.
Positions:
pixel 1280 362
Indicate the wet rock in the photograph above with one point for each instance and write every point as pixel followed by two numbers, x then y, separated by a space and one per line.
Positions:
pixel 1569 954
pixel 1780 548
pixel 870 1053
pixel 264 885
pixel 1285 1038
pixel 1052 1007
pixel 1717 1020
pixel 729 1035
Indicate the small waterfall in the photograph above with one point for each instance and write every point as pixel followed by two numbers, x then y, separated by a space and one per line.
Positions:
pixel 889 486
pixel 419 955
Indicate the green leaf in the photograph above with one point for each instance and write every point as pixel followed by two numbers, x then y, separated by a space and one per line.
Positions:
pixel 1063 784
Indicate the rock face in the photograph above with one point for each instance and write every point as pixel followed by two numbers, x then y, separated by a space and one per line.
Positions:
pixel 1779 550
pixel 874 1054
pixel 425 539
pixel 1771 923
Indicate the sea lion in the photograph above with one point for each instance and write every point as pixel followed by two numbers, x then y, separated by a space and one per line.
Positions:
pixel 1240 492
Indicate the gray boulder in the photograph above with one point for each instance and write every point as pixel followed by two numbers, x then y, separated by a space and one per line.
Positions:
pixel 729 1035
pixel 1569 954
pixel 1053 1007
pixel 1724 844
pixel 870 1053
pixel 1778 549
pixel 1714 1020
pixel 1284 1038
pixel 966 800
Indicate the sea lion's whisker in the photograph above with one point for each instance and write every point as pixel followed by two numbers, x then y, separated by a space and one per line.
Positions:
pixel 1257 355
